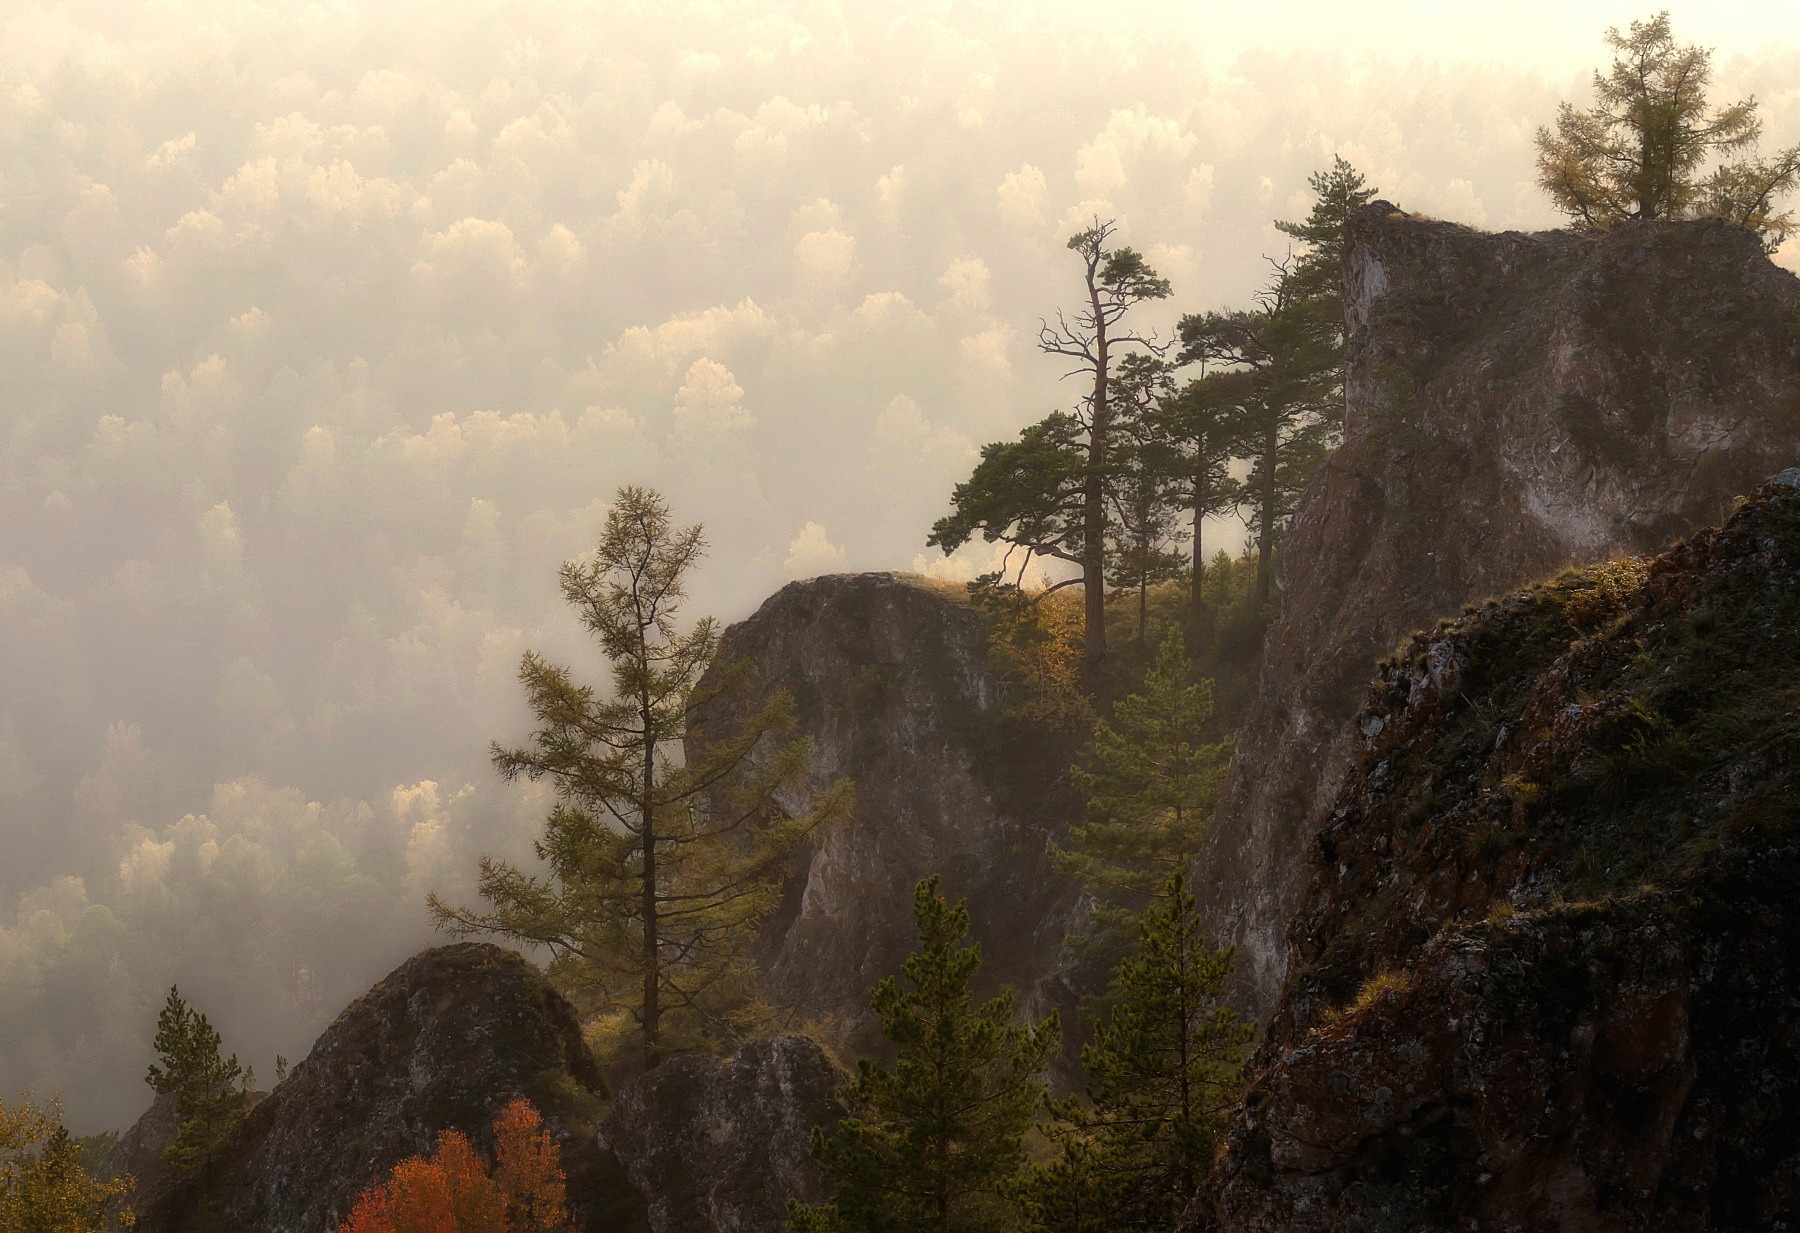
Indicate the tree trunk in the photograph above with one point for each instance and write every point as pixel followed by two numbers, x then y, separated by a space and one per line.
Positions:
pixel 1198 634
pixel 1093 502
pixel 1265 542
pixel 652 956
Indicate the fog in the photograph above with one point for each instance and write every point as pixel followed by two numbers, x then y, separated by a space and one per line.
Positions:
pixel 327 331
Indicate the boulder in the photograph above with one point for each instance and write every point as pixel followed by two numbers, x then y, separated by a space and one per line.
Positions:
pixel 442 1043
pixel 719 1145
pixel 892 683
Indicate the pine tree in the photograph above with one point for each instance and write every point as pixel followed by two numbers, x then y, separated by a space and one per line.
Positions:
pixel 211 1090
pixel 1273 376
pixel 934 1144
pixel 655 888
pixel 1151 782
pixel 1162 1072
pixel 1048 492
pixel 1338 192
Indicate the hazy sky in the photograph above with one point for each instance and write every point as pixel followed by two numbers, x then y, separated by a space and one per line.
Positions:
pixel 327 330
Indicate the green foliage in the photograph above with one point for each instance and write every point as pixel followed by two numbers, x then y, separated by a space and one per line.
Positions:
pixel 1640 152
pixel 44 1186
pixel 1051 493
pixel 659 871
pixel 1151 783
pixel 1162 1071
pixel 211 1091
pixel 1338 192
pixel 1276 371
pixel 934 1144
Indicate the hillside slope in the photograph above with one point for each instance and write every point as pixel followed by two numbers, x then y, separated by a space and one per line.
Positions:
pixel 1546 973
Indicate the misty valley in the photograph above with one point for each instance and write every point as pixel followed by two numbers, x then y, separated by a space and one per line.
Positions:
pixel 770 617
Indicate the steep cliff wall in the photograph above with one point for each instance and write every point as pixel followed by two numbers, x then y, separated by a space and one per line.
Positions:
pixel 1515 403
pixel 1547 969
pixel 891 681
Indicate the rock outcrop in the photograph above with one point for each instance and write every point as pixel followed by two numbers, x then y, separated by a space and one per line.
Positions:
pixel 719 1145
pixel 891 682
pixel 1515 404
pixel 1546 974
pixel 440 1044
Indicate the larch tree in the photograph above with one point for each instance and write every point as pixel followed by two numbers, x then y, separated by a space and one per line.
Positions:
pixel 43 1186
pixel 935 1144
pixel 1643 149
pixel 1048 492
pixel 659 870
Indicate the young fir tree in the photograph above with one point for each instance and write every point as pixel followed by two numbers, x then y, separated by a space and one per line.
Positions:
pixel 1162 1071
pixel 1151 782
pixel 211 1091
pixel 935 1144
pixel 660 870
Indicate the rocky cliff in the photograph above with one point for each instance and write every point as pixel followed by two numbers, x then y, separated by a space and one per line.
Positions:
pixel 1515 404
pixel 440 1044
pixel 891 682
pixel 719 1145
pixel 1546 974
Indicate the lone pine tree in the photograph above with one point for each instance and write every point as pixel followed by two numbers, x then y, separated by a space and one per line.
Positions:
pixel 210 1090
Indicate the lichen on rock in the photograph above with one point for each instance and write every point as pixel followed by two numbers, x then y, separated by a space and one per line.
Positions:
pixel 1546 973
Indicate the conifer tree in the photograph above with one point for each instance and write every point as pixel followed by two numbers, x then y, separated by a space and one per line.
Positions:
pixel 1641 150
pixel 1151 782
pixel 1162 1072
pixel 1048 492
pixel 211 1090
pixel 655 889
pixel 935 1144
pixel 43 1186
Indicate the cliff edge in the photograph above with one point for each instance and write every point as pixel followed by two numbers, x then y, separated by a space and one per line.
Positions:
pixel 1546 974
pixel 1514 404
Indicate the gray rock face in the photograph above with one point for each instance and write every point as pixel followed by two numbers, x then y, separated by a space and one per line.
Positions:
pixel 1546 973
pixel 891 681
pixel 1515 404
pixel 440 1044
pixel 719 1145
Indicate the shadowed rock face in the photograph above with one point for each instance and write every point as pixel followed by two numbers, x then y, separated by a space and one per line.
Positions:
pixel 1515 404
pixel 440 1044
pixel 891 682
pixel 720 1145
pixel 1546 973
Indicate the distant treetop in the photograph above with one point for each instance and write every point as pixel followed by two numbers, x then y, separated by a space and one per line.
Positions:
pixel 1641 151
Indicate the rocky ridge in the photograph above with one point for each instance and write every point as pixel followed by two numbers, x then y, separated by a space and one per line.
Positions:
pixel 1515 404
pixel 441 1043
pixel 1546 974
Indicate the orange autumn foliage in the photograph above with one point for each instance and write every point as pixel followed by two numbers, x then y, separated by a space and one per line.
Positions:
pixel 454 1191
